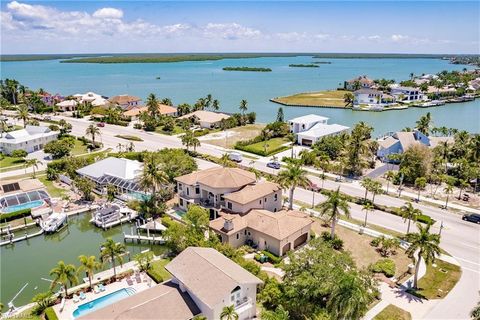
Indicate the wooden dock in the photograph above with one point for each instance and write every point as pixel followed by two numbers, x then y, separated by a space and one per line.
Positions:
pixel 139 238
pixel 25 237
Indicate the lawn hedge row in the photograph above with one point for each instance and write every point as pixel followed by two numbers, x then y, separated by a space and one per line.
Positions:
pixel 155 276
pixel 15 215
pixel 271 257
pixel 50 314
pixel 254 150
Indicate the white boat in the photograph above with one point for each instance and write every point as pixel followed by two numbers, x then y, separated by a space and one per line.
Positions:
pixel 53 222
pixel 107 214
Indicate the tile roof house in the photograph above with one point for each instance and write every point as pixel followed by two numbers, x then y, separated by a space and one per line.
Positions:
pixel 163 108
pixel 95 99
pixel 30 139
pixel 204 282
pixel 311 128
pixel 277 232
pixel 67 105
pixel 358 83
pixel 206 119
pixel 125 101
pixel 232 189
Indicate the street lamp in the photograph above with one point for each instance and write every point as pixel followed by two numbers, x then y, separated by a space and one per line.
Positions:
pixel 441 228
pixel 313 199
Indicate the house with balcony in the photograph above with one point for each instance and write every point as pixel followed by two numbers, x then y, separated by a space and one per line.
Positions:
pixel 125 101
pixel 203 282
pixel 277 232
pixel 407 94
pixel 358 83
pixel 310 128
pixel 231 189
pixel 30 139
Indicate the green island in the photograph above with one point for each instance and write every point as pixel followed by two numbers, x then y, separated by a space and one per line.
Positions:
pixel 322 62
pixel 327 98
pixel 255 69
pixel 303 66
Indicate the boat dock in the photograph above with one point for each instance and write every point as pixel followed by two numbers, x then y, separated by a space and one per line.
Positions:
pixel 139 238
pixel 12 239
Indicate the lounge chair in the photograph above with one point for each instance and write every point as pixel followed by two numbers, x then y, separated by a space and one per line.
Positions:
pixel 82 296
pixel 138 279
pixel 75 298
pixel 96 289
pixel 101 287
pixel 129 281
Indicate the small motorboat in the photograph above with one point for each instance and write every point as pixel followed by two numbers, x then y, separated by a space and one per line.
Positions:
pixel 53 222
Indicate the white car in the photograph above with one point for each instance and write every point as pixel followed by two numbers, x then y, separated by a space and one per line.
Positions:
pixel 235 156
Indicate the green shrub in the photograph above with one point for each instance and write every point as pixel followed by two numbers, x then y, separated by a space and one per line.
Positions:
pixel 271 257
pixel 137 126
pixel 155 276
pixel 199 133
pixel 50 314
pixel 337 243
pixel 19 153
pixel 425 219
pixel 376 241
pixel 313 235
pixel 258 257
pixel 167 221
pixel 385 266
pixel 15 215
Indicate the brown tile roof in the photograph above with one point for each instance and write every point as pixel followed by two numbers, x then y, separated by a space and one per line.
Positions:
pixel 206 116
pixel 163 108
pixel 361 79
pixel 219 178
pixel 278 225
pixel 164 302
pixel 134 111
pixel 124 99
pixel 208 274
pixel 435 141
pixel 251 193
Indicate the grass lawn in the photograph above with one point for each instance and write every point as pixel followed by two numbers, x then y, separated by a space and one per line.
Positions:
pixel 242 133
pixel 329 98
pixel 79 148
pixel 438 281
pixel 158 271
pixel 392 312
pixel 273 146
pixel 128 137
pixel 362 252
pixel 54 191
pixel 176 130
pixel 11 163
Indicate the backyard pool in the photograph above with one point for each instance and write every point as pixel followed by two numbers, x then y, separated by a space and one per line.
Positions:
pixel 27 205
pixel 101 302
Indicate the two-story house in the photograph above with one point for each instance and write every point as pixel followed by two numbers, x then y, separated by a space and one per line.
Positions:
pixel 30 139
pixel 203 282
pixel 231 189
pixel 358 83
pixel 125 101
pixel 407 94
pixel 310 128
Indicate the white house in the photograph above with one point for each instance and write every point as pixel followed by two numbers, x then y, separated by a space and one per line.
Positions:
pixel 125 101
pixel 95 99
pixel 206 119
pixel 311 128
pixel 204 281
pixel 67 105
pixel 30 139
pixel 407 94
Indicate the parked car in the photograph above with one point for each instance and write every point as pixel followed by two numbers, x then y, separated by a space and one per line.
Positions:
pixel 472 217
pixel 274 164
pixel 235 156
pixel 313 187
pixel 47 118
pixel 101 124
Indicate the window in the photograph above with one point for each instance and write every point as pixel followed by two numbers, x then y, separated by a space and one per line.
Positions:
pixel 238 236
pixel 181 202
pixel 275 197
pixel 180 186
pixel 260 201
pixel 197 190
pixel 265 200
pixel 229 205
pixel 245 232
pixel 188 191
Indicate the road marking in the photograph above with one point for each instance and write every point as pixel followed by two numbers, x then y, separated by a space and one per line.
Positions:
pixel 478 264
pixel 467 245
pixel 473 270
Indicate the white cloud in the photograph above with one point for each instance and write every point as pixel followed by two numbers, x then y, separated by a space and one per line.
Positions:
pixel 108 13
pixel 229 31
pixel 399 38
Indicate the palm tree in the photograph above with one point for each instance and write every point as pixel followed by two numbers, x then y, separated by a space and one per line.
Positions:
pixel 92 130
pixel 448 190
pixel 426 244
pixel 3 126
pixel 215 105
pixel 64 275
pixel 420 184
pixel 22 114
pixel 367 207
pixel 228 313
pixel 375 189
pixel 291 177
pixel 89 264
pixel 32 163
pixel 187 139
pixel 335 204
pixel 408 212
pixel 424 124
pixel 462 184
pixel 153 176
pixel 152 106
pixel 195 143
pixel 348 98
pixel 112 251
pixel 366 183
pixel 243 106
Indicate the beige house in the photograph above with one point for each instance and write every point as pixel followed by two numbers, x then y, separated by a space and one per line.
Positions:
pixel 67 105
pixel 277 232
pixel 204 282
pixel 231 189
pixel 165 110
pixel 206 119
pixel 125 101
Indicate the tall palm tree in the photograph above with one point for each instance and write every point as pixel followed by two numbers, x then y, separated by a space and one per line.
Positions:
pixel 3 126
pixel 424 124
pixel 291 177
pixel 215 105
pixel 32 163
pixel 448 190
pixel 420 184
pixel 22 114
pixel 426 244
pixel 228 313
pixel 153 176
pixel 112 251
pixel 367 207
pixel 187 139
pixel 348 98
pixel 408 212
pixel 93 131
pixel 243 106
pixel 64 275
pixel 335 204
pixel 152 106
pixel 89 264
pixel 366 183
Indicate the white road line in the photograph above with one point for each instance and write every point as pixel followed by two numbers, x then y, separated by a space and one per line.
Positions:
pixel 478 264
pixel 473 270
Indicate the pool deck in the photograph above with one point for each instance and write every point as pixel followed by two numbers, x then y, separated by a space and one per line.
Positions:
pixel 70 306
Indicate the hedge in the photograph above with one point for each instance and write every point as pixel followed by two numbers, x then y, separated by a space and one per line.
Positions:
pixel 385 266
pixel 15 215
pixel 271 257
pixel 249 148
pixel 50 314
pixel 155 276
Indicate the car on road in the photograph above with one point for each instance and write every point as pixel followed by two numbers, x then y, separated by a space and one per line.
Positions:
pixel 47 118
pixel 313 187
pixel 101 124
pixel 274 164
pixel 235 156
pixel 472 217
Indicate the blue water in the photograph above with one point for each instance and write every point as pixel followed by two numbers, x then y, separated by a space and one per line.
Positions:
pixel 27 205
pixel 139 196
pixel 187 81
pixel 101 302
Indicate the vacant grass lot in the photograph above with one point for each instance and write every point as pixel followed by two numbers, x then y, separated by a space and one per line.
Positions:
pixel 79 148
pixel 242 133
pixel 392 312
pixel 330 98
pixel 266 148
pixel 438 281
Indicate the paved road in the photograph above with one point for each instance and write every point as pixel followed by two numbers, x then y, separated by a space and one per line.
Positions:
pixel 459 238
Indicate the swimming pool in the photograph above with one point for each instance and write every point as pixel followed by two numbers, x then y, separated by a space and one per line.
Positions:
pixel 101 302
pixel 27 205
pixel 138 195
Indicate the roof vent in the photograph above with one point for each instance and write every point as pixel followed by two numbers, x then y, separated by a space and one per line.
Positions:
pixel 228 225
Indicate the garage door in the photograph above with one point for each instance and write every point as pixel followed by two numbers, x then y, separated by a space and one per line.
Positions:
pixel 307 142
pixel 300 240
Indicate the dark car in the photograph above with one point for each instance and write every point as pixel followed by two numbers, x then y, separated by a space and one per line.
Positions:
pixel 472 217
pixel 273 164
pixel 101 124
pixel 313 187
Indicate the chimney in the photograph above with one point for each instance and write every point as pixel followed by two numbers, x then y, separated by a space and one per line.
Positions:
pixel 228 225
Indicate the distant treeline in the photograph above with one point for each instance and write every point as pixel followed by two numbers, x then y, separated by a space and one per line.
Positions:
pixel 322 62
pixel 380 56
pixel 303 66
pixel 247 69
pixel 35 57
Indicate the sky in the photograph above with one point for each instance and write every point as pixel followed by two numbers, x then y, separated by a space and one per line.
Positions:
pixel 30 27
